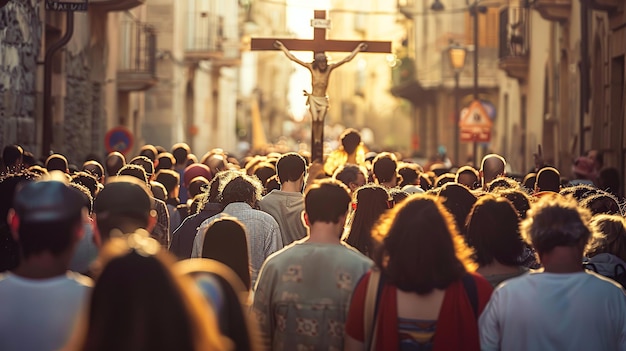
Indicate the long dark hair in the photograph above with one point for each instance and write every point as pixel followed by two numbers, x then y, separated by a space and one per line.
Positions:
pixel 138 304
pixel 371 201
pixel 493 230
pixel 225 241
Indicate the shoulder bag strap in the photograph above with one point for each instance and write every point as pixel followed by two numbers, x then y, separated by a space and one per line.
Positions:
pixel 372 295
pixel 472 292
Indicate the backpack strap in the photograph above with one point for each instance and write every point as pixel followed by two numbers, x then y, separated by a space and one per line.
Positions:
pixel 372 299
pixel 472 292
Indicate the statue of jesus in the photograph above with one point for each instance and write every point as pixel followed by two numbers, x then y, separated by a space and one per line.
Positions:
pixel 320 73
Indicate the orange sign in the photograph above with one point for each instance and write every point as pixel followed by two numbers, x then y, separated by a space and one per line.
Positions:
pixel 474 124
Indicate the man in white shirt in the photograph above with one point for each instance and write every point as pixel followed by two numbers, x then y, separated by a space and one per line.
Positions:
pixel 40 301
pixel 561 307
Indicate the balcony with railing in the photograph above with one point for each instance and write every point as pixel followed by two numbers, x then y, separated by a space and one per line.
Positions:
pixel 115 5
pixel 136 70
pixel 553 10
pixel 205 36
pixel 514 42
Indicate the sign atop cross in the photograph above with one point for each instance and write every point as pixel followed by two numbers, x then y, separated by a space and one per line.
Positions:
pixel 317 101
pixel 319 42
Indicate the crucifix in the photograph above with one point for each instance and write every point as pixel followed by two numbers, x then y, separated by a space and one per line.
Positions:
pixel 320 69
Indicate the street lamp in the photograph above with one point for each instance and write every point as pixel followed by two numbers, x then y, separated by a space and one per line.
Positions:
pixel 457 54
pixel 474 9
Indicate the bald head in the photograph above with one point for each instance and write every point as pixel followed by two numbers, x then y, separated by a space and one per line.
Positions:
pixel 491 168
pixel 114 162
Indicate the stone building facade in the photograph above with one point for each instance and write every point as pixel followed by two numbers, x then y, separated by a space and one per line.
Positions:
pixel 20 43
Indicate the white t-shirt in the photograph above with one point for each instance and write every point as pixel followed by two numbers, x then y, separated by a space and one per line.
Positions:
pixel 549 311
pixel 39 314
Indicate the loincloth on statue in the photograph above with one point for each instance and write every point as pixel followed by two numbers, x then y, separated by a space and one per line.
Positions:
pixel 316 103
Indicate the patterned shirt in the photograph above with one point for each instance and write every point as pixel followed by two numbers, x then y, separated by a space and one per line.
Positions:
pixel 303 295
pixel 262 233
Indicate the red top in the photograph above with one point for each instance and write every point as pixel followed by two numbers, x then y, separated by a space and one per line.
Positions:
pixel 457 326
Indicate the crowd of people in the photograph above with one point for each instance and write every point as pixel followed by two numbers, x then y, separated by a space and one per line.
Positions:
pixel 369 251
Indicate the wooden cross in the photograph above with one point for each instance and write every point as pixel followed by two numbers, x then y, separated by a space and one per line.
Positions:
pixel 319 44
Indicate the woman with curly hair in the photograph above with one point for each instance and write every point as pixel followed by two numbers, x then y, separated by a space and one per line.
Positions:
pixel 424 294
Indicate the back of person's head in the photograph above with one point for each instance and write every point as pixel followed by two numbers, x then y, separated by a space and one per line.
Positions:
pixel 555 221
pixel 492 167
pixel 548 179
pixel 290 167
pixel 87 180
pixel 425 182
pixel 348 174
pixel 398 195
pixel 197 185
pixel 137 294
pixel 114 162
pixel 170 179
pixel 458 200
pixel 419 248
pixel 520 200
pixel 145 163
pixel 42 205
pixel 580 191
pixel 123 204
pixel 57 162
pixel 444 179
pixel 529 181
pixel 12 156
pixel 94 168
pixel 225 241
pixel 264 170
pixel 384 167
pixel 158 190
pixel 165 160
pixel 134 171
pixel 196 170
pixel 350 140
pixel 88 199
pixel 370 202
pixel 609 236
pixel 241 188
pixel 326 201
pixel 468 176
pixel 502 183
pixel 149 151
pixel 493 232
pixel 180 151
pixel 603 203
pixel 28 159
pixel 409 173
pixel 272 184
pixel 609 180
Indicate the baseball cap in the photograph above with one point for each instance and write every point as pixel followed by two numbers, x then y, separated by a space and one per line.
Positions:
pixel 123 195
pixel 48 200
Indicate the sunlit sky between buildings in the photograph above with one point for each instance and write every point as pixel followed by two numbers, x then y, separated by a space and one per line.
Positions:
pixel 299 15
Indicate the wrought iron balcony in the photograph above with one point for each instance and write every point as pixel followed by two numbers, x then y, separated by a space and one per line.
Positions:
pixel 205 36
pixel 514 42
pixel 553 10
pixel 137 59
pixel 115 5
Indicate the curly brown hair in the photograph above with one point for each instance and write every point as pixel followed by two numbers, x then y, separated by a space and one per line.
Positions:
pixel 419 247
